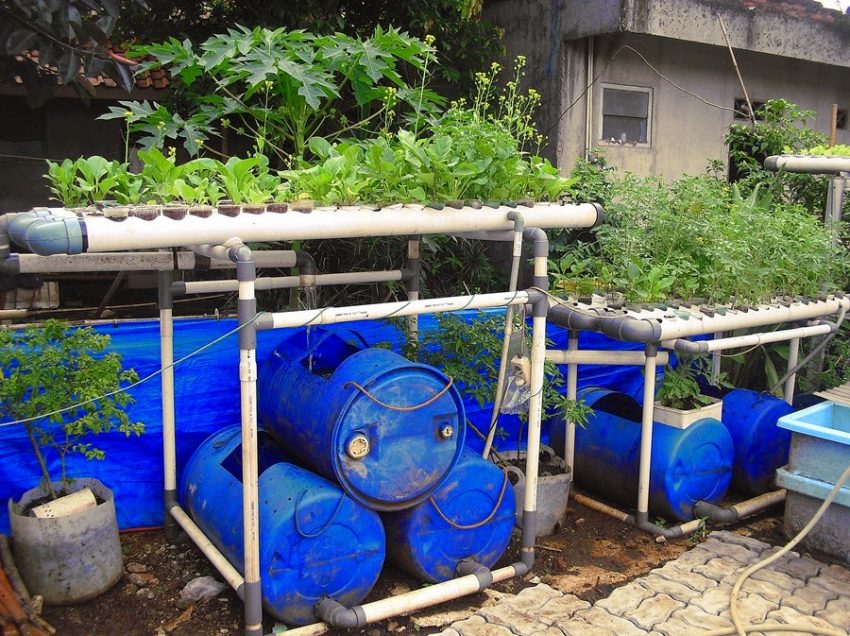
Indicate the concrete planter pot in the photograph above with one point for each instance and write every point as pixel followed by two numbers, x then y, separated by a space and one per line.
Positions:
pixel 553 493
pixel 677 418
pixel 68 559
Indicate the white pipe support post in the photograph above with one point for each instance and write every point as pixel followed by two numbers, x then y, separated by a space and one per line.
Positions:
pixel 246 272
pixel 716 360
pixel 412 280
pixel 793 358
pixel 599 356
pixel 224 567
pixel 642 514
pixel 166 363
pixel 572 394
pixel 382 311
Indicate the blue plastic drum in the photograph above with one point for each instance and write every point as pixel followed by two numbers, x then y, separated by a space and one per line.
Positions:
pixel 386 429
pixel 687 465
pixel 315 541
pixel 470 516
pixel 760 445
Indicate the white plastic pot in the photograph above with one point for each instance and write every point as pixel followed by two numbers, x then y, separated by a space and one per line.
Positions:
pixel 553 493
pixel 68 559
pixel 677 418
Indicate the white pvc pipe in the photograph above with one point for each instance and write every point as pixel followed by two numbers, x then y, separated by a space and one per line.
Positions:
pixel 166 360
pixel 572 357
pixel 719 344
pixel 572 392
pixel 716 360
pixel 380 311
pixel 535 412
pixel 289 282
pixel 413 253
pixel 793 357
pixel 808 164
pixel 227 571
pixel 105 235
pixel 646 433
pixel 750 506
pixel 673 326
pixel 598 506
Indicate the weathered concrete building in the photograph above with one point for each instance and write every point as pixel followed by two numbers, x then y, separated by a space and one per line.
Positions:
pixel 652 83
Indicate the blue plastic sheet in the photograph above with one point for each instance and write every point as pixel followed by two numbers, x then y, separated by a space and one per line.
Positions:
pixel 207 399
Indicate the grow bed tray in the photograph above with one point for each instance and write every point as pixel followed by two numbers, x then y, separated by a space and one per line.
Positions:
pixel 820 440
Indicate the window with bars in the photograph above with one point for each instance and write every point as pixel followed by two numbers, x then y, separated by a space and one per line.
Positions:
pixel 626 114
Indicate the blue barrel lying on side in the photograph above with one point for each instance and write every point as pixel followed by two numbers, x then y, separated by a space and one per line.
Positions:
pixel 687 465
pixel 386 429
pixel 760 445
pixel 470 516
pixel 315 541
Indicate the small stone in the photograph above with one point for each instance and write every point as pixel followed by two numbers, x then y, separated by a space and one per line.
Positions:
pixel 200 588
pixel 131 588
pixel 373 632
pixel 136 568
pixel 137 579
pixel 392 626
pixel 399 588
pixel 279 628
pixel 535 580
pixel 580 521
pixel 37 604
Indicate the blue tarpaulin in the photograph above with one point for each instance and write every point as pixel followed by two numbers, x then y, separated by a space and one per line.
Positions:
pixel 207 399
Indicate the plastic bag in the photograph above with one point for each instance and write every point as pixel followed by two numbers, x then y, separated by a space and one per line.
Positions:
pixel 517 387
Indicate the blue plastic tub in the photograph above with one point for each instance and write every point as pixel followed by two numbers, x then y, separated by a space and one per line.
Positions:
pixel 386 429
pixel 315 541
pixel 687 465
pixel 478 499
pixel 820 443
pixel 760 445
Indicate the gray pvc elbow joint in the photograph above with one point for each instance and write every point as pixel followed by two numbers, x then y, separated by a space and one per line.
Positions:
pixel 306 262
pixel 337 615
pixel 539 239
pixel 632 329
pixel 579 321
pixel 642 521
pixel 518 219
pixel 687 346
pixel 717 514
pixel 600 214
pixel 479 571
pixel 45 234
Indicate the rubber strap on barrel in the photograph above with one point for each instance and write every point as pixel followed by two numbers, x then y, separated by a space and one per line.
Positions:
pixel 325 526
pixel 478 524
pixel 403 409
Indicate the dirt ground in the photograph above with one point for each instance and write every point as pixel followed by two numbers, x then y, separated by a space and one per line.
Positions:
pixel 589 557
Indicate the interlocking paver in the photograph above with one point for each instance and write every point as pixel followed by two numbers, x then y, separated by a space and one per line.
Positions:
pixel 719 568
pixel 752 608
pixel 740 553
pixel 738 539
pixel 654 610
pixel 765 589
pixel 600 618
pixel 580 628
pixel 808 599
pixel 802 568
pixel 714 600
pixel 477 626
pixel 692 558
pixel 625 598
pixel 697 618
pixel 837 612
pixel 562 608
pixel 660 585
pixel 789 616
pixel 693 580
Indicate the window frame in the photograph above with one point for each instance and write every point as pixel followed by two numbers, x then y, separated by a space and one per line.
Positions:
pixel 600 115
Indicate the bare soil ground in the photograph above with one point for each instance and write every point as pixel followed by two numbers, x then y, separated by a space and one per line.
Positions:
pixel 590 556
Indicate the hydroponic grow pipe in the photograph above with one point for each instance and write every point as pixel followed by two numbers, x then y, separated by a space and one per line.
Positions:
pixel 808 164
pixel 59 231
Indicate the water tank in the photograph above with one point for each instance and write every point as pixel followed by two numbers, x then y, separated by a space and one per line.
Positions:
pixel 760 445
pixel 386 429
pixel 470 516
pixel 315 541
pixel 687 465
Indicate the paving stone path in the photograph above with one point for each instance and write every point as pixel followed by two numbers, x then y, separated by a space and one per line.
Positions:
pixel 686 596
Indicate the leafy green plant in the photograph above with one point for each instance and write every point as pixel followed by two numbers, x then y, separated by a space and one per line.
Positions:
pixel 680 388
pixel 62 178
pixel 53 367
pixel 247 180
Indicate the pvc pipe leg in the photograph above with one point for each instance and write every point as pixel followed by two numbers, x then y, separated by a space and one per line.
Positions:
pixel 572 391
pixel 642 515
pixel 166 355
pixel 793 355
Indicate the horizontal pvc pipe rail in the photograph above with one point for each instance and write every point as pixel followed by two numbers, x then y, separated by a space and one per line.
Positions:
pixel 808 164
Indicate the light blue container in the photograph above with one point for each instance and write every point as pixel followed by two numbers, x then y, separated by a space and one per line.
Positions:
pixel 820 441
pixel 686 465
pixel 478 499
pixel 315 541
pixel 386 429
pixel 760 445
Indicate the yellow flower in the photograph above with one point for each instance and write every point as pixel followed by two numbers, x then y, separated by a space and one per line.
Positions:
pixel 128 114
pixel 430 39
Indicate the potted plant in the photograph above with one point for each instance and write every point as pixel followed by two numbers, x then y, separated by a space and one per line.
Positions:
pixel 680 401
pixel 59 384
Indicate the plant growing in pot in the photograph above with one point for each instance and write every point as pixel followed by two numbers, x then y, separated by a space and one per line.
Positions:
pixel 63 388
pixel 680 401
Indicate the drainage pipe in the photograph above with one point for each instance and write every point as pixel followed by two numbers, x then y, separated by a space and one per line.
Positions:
pixel 719 344
pixel 519 227
pixel 411 277
pixel 402 603
pixel 661 533
pixel 133 261
pixel 598 506
pixel 288 282
pixel 736 512
pixel 219 561
pixel 381 311
pixel 166 361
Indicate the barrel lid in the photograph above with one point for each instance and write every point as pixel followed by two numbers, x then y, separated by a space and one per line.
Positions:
pixel 399 433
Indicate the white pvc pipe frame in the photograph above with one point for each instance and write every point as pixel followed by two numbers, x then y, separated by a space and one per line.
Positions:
pixel 670 325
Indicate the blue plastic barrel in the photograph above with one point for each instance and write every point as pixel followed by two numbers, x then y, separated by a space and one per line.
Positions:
pixel 687 465
pixel 760 445
pixel 386 429
pixel 315 541
pixel 470 516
